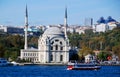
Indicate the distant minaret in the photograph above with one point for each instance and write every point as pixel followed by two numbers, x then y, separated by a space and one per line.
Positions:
pixel 65 23
pixel 66 38
pixel 26 28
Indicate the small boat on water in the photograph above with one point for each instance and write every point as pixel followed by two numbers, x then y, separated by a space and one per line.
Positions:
pixel 83 66
pixel 14 63
pixel 4 62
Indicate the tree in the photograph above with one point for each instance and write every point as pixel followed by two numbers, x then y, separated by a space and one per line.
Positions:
pixel 116 50
pixel 74 57
pixel 74 40
pixel 7 54
pixel 2 50
pixel 103 55
pixel 33 42
pixel 85 51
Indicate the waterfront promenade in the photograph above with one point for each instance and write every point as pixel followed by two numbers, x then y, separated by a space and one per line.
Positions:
pixel 51 64
pixel 64 64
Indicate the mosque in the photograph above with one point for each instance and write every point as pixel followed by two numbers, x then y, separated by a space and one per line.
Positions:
pixel 53 45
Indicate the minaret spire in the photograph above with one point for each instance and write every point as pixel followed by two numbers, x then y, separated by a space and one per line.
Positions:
pixel 65 23
pixel 66 38
pixel 26 28
pixel 26 17
pixel 66 12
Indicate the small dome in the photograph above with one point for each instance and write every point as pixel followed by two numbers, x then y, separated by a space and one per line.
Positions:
pixel 101 20
pixel 53 31
pixel 110 19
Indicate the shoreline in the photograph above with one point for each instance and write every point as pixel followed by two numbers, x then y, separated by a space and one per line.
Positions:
pixel 60 64
pixel 109 64
pixel 43 64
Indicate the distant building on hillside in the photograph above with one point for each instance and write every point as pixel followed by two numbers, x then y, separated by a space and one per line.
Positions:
pixel 88 21
pixel 34 30
pixel 11 30
pixel 105 25
pixel 83 29
pixel 89 58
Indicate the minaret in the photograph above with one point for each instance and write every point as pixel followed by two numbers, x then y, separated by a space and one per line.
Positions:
pixel 66 38
pixel 26 28
pixel 65 23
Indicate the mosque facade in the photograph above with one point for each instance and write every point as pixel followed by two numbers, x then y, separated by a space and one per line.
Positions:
pixel 53 45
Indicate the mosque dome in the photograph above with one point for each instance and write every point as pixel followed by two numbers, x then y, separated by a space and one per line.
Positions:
pixel 53 31
pixel 110 19
pixel 101 20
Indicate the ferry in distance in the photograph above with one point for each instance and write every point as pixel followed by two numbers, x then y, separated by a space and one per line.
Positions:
pixel 83 66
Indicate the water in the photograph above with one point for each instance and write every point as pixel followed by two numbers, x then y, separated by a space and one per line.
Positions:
pixel 57 71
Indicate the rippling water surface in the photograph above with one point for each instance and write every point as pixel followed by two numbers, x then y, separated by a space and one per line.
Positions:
pixel 57 71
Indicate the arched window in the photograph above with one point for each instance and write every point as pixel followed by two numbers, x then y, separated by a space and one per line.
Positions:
pixel 60 43
pixel 61 57
pixel 56 47
pixel 61 48
pixel 51 57
pixel 24 54
pixel 51 48
pixel 56 40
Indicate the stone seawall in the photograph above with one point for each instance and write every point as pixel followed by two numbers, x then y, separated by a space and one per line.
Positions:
pixel 50 64
pixel 61 64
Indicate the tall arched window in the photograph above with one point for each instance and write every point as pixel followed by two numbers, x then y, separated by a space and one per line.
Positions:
pixel 61 57
pixel 51 48
pixel 51 57
pixel 61 48
pixel 56 47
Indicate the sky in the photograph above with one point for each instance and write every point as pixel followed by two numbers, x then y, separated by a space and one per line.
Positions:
pixel 49 12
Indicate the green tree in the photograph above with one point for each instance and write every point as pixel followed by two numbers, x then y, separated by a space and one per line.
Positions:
pixel 85 51
pixel 2 50
pixel 103 55
pixel 7 54
pixel 116 50
pixel 74 40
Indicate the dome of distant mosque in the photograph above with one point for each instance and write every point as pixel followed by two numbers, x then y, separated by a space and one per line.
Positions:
pixel 110 19
pixel 101 20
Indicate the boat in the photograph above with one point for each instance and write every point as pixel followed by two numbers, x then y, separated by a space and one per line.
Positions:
pixel 3 62
pixel 14 63
pixel 83 66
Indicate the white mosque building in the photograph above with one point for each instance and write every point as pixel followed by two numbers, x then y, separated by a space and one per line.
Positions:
pixel 53 45
pixel 104 25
